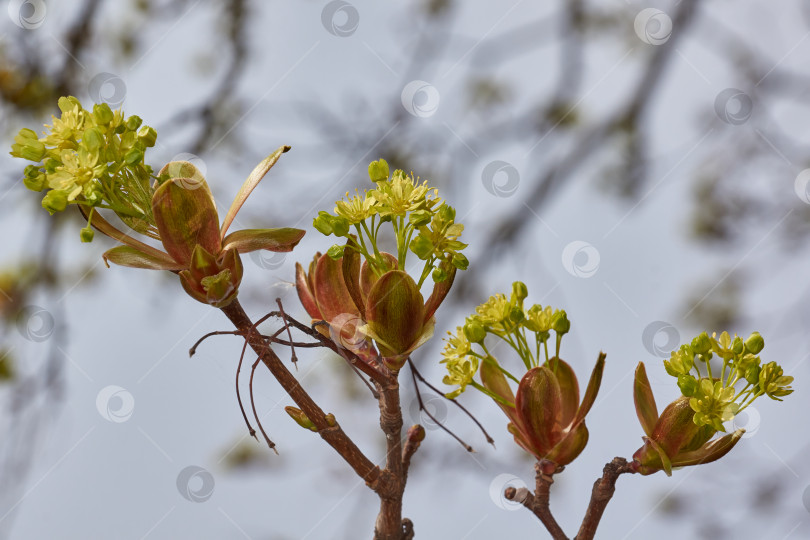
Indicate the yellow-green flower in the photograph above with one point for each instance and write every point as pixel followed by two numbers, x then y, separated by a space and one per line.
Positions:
pixel 494 311
pixel 773 383
pixel 356 209
pixel 402 194
pixel 725 347
pixel 421 223
pixel 538 318
pixel 457 345
pixel 460 371
pixel 78 169
pixel 713 404
pixel 63 130
pixel 461 364
pixel 680 362
pixel 94 159
pixel 439 238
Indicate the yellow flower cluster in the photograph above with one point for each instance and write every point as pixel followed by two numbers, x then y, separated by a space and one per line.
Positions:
pixel 507 319
pixel 93 158
pixel 714 397
pixel 422 223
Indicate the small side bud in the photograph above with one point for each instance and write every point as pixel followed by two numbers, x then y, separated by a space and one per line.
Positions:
pixel 688 385
pixel 520 291
pixel 416 433
pixel 335 252
pixel 378 170
pixel 301 419
pixel 34 179
pixel 438 275
pixel 474 331
pixel 134 122
pixel 702 344
pixel 460 261
pixel 102 113
pixel 561 325
pixel 755 343
pixel 147 135
pixel 86 234
pixel 54 201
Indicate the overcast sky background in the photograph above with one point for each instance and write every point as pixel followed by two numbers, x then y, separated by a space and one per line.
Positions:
pixel 96 478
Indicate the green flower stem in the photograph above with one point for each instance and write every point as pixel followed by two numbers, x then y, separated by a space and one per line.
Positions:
pixel 508 339
pixel 425 273
pixel 494 396
pixel 361 242
pixel 524 347
pixel 508 374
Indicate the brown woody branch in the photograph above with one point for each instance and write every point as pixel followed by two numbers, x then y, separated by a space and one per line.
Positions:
pixel 603 490
pixel 539 502
pixel 332 434
pixel 389 521
pixel 389 483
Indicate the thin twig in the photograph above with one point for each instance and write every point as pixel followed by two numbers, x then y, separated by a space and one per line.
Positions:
pixel 270 443
pixel 329 431
pixel 490 440
pixel 193 350
pixel 435 421
pixel 239 395
pixel 293 357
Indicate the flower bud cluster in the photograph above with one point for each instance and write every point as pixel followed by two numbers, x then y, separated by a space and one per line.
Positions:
pixel 93 158
pixel 422 224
